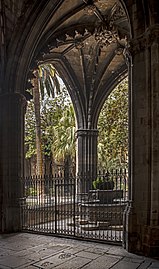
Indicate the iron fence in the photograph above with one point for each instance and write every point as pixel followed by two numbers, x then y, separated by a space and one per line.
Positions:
pixel 81 206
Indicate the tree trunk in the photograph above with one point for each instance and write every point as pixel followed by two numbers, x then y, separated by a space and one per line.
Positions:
pixel 39 161
pixel 36 98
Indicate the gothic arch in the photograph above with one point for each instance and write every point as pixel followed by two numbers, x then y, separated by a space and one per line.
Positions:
pixel 111 85
pixel 71 82
pixel 29 33
pixel 24 42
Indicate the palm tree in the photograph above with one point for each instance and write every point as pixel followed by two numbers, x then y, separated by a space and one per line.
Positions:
pixel 63 147
pixel 48 79
pixel 36 102
pixel 46 82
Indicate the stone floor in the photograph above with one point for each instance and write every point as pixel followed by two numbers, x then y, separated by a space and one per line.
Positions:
pixel 32 251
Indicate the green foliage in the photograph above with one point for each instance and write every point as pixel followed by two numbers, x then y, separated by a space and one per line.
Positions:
pixel 48 81
pixel 113 129
pixel 102 183
pixel 97 182
pixel 58 124
pixel 30 135
pixel 57 127
pixel 64 135
pixel 30 192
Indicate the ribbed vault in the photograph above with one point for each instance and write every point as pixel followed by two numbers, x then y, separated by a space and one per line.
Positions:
pixel 85 41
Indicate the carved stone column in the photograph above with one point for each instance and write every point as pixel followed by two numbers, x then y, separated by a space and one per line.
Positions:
pixel 12 109
pixel 151 240
pixel 87 156
pixel 142 214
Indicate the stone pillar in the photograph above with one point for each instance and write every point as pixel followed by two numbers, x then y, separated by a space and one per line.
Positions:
pixel 142 214
pixel 87 156
pixel 151 238
pixel 12 109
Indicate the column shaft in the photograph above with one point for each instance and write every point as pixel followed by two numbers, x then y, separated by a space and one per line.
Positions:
pixel 141 218
pixel 11 159
pixel 87 155
pixel 155 135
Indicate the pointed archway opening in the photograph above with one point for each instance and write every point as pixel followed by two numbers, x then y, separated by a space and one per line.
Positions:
pixel 90 54
pixel 113 125
pixel 49 125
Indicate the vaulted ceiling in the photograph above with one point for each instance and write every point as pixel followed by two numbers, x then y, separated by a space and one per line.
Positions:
pixel 84 39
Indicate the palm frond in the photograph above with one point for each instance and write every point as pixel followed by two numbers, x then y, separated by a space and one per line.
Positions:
pixel 57 84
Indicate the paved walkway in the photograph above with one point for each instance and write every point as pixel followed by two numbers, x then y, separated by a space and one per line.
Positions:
pixel 31 251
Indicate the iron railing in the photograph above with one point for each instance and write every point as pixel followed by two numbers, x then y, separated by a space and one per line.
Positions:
pixel 81 206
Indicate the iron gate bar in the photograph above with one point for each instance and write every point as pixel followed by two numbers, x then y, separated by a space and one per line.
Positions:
pixel 61 209
pixel 66 211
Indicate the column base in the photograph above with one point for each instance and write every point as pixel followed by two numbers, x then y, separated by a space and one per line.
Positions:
pixel 10 221
pixel 151 241
pixel 137 238
pixel 131 232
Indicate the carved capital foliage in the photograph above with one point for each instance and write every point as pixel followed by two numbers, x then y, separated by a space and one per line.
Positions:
pixel 145 40
pixel 105 35
pixel 108 31
pixel 90 9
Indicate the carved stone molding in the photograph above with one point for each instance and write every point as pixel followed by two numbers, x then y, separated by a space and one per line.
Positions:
pixel 15 97
pixel 79 44
pixel 117 12
pixel 87 132
pixel 90 9
pixel 105 35
pixel 119 50
pixel 108 32
pixel 127 55
pixel 144 41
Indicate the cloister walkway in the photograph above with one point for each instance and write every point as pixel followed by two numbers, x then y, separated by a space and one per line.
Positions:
pixel 32 251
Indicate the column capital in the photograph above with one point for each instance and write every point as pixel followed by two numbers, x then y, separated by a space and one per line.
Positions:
pixel 145 40
pixel 15 97
pixel 87 132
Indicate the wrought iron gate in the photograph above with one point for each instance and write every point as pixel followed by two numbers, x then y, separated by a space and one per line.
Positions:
pixel 56 205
